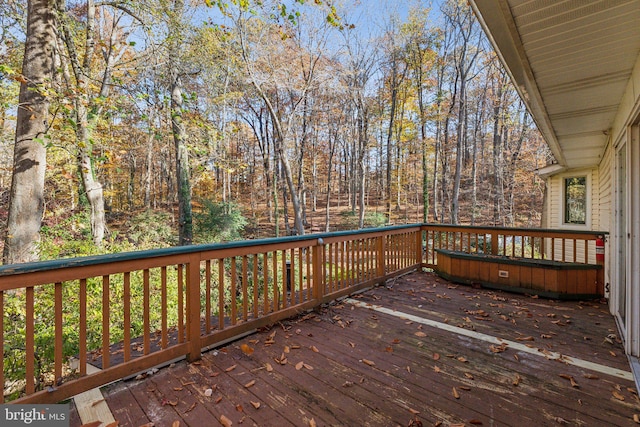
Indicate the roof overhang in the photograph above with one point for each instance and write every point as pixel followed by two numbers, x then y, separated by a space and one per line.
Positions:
pixel 571 63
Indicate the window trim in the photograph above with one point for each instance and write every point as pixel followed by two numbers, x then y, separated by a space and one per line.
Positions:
pixel 563 207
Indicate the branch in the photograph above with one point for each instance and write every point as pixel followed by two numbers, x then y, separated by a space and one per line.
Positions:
pixel 122 7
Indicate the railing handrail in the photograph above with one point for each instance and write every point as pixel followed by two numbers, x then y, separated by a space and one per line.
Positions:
pixel 517 229
pixel 93 260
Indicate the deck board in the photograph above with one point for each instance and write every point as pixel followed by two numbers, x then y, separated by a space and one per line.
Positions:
pixel 378 369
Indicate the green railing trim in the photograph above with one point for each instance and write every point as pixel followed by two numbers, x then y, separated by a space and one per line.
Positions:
pixel 32 267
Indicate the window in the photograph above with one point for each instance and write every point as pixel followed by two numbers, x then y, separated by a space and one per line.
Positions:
pixel 575 200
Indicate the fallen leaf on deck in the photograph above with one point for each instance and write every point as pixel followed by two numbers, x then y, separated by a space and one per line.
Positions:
pixel 231 368
pixel 165 402
pixel 436 356
pixel 413 411
pixel 516 380
pixel 250 383
pixel 529 338
pixel 268 367
pixel 636 418
pixel 218 400
pixel 315 349
pixel 308 367
pixel 239 408
pixel 368 362
pixel 613 353
pixel 420 334
pixel 455 393
pixel 246 349
pixel 352 344
pixel 97 402
pixel 515 356
pixel 571 380
pixel 226 422
pixel 312 423
pixel 389 349
pixel 435 368
pixel 286 349
pixel 462 359
pixel 299 365
pixel 560 420
pixel 177 389
pixel 618 396
pixel 193 405
pixel 395 341
pixel 176 423
pixel 468 375
pixel 255 404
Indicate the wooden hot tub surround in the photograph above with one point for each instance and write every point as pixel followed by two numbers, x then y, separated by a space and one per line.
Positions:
pixel 547 278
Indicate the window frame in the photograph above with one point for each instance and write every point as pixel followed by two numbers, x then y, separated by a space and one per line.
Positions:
pixel 588 201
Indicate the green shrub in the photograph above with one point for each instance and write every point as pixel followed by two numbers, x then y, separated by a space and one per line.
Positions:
pixel 218 222
pixel 152 229
pixel 349 220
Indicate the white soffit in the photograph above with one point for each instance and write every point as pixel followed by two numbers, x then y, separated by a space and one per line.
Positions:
pixel 571 60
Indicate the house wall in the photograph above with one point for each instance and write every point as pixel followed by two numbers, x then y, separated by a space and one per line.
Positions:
pixel 555 210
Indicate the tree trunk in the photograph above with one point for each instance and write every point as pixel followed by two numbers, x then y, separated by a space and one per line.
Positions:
pixel 183 182
pixel 26 204
pixel 185 223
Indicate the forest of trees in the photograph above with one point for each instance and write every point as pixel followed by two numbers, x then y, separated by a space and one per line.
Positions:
pixel 134 124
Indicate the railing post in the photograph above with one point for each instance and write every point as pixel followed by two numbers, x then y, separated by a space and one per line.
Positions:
pixel 318 270
pixel 382 270
pixel 193 308
pixel 494 243
pixel 419 253
pixel 600 257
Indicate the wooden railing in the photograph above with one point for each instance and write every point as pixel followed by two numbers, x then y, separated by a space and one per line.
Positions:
pixel 553 245
pixel 129 312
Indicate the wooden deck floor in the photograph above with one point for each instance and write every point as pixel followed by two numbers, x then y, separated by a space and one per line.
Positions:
pixel 420 352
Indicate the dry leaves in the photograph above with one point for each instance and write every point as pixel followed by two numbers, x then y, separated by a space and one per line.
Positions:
pixel 455 393
pixel 368 362
pixel 226 422
pixel 420 334
pixel 571 380
pixel 229 369
pixel 618 395
pixel 516 380
pixel 250 384
pixel 255 404
pixel 246 349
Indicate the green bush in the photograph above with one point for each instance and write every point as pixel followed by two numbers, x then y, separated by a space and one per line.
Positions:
pixel 218 222
pixel 349 220
pixel 152 229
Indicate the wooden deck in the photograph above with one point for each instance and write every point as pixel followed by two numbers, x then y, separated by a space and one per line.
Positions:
pixel 420 351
